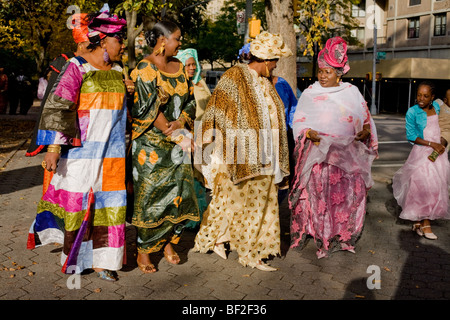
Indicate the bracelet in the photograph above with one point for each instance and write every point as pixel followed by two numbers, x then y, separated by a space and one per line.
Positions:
pixel 182 121
pixel 56 148
pixel 429 143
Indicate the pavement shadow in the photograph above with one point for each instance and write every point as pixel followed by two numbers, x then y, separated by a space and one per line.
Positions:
pixel 393 208
pixel 357 290
pixel 13 180
pixel 423 276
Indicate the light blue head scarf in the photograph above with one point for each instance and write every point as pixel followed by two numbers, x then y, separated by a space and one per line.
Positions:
pixel 184 55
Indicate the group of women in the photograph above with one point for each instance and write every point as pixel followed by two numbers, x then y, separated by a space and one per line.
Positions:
pixel 242 139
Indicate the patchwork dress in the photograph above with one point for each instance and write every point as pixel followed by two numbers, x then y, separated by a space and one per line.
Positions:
pixel 86 114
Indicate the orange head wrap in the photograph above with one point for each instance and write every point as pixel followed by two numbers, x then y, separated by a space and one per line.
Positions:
pixel 80 30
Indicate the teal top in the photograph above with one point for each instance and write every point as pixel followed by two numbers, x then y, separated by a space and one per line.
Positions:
pixel 416 121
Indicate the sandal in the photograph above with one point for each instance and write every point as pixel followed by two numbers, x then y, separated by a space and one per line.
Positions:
pixel 106 275
pixel 172 258
pixel 146 268
pixel 428 235
pixel 416 227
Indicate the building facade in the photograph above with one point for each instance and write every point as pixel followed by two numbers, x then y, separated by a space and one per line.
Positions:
pixel 405 28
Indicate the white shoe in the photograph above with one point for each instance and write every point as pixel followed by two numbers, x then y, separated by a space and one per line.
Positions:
pixel 219 249
pixel 428 235
pixel 416 227
pixel 264 267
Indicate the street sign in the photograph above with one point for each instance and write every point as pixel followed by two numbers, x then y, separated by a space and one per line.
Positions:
pixel 240 22
pixel 381 55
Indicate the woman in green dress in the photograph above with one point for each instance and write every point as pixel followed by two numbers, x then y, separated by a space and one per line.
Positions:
pixel 163 120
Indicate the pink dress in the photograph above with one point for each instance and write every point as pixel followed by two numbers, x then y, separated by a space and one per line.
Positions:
pixel 329 188
pixel 421 186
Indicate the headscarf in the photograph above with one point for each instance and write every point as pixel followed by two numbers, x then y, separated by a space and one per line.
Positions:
pixel 105 24
pixel 334 55
pixel 244 50
pixel 269 46
pixel 184 55
pixel 80 30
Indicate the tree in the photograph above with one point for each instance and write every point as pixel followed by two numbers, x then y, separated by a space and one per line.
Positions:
pixel 218 41
pixel 37 29
pixel 280 20
pixel 142 14
pixel 316 25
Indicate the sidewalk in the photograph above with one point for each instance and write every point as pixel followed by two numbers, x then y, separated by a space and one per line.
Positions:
pixel 404 265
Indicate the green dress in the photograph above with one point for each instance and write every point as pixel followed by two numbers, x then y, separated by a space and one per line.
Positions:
pixel 162 173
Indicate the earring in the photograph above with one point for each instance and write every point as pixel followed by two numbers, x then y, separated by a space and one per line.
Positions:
pixel 161 49
pixel 106 56
pixel 267 70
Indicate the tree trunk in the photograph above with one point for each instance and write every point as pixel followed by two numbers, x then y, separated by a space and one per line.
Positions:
pixel 280 20
pixel 132 33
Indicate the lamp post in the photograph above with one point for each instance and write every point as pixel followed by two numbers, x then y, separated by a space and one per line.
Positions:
pixel 248 16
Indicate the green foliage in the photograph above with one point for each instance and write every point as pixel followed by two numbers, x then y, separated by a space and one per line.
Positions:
pixel 316 25
pixel 218 41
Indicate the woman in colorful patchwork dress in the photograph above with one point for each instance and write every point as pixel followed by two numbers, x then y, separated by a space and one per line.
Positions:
pixel 244 128
pixel 162 121
pixel 189 58
pixel 83 124
pixel 336 143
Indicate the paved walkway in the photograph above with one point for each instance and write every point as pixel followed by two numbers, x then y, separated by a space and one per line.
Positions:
pixel 403 265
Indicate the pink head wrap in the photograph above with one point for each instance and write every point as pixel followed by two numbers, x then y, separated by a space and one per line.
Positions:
pixel 105 24
pixel 334 55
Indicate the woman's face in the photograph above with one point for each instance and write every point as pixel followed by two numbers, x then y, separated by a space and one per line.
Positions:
pixel 271 65
pixel 424 96
pixel 328 77
pixel 115 48
pixel 190 66
pixel 173 43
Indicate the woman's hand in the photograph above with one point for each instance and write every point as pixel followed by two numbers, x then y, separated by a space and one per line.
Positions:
pixel 362 135
pixel 130 86
pixel 438 147
pixel 172 127
pixel 51 161
pixel 313 136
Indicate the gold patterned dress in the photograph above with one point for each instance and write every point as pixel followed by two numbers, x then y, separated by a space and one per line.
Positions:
pixel 163 183
pixel 244 207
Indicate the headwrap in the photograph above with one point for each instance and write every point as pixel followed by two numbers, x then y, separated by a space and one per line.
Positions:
pixel 105 24
pixel 80 30
pixel 184 55
pixel 244 50
pixel 269 46
pixel 334 55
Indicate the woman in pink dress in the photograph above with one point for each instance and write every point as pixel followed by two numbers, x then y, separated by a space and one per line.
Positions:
pixel 421 185
pixel 336 143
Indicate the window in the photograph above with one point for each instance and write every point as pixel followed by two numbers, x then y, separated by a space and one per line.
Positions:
pixel 440 24
pixel 413 28
pixel 359 10
pixel 414 2
pixel 358 34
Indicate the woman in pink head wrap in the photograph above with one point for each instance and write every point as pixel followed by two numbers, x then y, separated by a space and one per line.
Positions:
pixel 336 143
pixel 83 125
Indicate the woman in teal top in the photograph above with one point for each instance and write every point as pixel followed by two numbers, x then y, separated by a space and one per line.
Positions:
pixel 421 185
pixel 416 121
